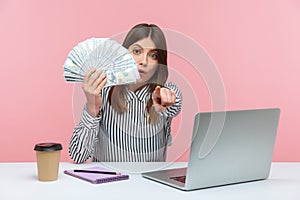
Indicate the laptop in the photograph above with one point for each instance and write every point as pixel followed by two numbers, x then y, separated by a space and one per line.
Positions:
pixel 227 147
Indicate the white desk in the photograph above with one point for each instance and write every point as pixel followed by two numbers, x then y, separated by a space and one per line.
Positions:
pixel 19 181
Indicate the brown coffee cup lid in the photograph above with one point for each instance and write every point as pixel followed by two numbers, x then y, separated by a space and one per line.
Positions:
pixel 48 146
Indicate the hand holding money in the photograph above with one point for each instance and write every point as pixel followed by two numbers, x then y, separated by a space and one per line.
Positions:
pixel 92 84
pixel 162 98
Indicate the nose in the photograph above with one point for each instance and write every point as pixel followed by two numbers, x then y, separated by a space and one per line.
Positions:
pixel 143 59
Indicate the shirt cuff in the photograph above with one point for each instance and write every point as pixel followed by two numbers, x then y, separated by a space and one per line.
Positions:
pixel 88 120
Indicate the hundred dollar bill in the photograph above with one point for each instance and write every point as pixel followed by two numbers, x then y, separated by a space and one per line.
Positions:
pixel 103 54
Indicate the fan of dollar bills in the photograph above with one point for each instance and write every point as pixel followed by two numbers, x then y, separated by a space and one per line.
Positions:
pixel 102 53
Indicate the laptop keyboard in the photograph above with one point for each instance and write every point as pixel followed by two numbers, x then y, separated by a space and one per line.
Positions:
pixel 179 178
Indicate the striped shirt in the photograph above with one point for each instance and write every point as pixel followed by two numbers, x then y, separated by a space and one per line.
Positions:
pixel 126 137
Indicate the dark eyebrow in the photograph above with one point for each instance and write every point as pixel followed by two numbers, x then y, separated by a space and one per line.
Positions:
pixel 138 46
pixel 143 47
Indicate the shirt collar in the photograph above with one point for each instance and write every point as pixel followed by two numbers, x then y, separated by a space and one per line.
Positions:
pixel 141 94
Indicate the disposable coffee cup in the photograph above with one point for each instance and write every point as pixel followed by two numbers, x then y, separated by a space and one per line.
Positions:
pixel 48 157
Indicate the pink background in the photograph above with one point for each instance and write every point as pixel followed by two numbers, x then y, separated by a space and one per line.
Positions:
pixel 255 45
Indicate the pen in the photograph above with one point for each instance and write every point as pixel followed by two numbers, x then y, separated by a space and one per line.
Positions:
pixel 96 172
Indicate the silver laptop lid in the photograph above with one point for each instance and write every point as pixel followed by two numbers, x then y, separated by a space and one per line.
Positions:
pixel 231 147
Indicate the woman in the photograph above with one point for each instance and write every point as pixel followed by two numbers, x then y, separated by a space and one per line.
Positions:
pixel 129 123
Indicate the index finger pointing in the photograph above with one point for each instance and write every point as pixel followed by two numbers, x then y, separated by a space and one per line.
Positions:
pixel 157 91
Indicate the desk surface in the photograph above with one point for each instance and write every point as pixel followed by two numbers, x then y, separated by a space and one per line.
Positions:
pixel 19 181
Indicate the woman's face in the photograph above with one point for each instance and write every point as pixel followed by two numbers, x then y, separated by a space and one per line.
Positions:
pixel 145 55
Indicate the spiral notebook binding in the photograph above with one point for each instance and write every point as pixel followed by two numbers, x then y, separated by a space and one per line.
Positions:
pixel 112 179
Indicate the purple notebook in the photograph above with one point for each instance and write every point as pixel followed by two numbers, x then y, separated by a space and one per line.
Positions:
pixel 96 178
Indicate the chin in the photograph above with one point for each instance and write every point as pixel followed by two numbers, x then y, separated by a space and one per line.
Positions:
pixel 141 81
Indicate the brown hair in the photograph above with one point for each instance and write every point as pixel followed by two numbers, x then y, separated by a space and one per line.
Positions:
pixel 117 94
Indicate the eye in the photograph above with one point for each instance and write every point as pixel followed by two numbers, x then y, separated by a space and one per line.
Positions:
pixel 153 56
pixel 136 51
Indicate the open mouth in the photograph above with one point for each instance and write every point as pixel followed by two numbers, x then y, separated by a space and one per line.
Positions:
pixel 141 72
